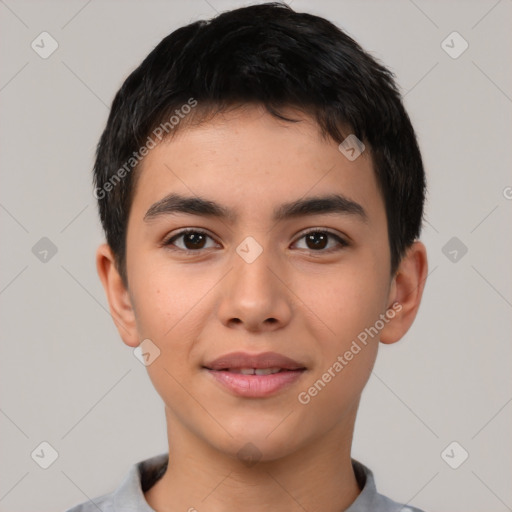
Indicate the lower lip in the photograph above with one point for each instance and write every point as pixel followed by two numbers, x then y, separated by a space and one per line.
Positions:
pixel 256 386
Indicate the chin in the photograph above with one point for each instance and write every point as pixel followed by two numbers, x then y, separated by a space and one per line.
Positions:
pixel 260 443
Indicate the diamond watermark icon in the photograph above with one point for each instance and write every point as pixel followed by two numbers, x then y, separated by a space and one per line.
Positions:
pixel 146 352
pixel 44 45
pixel 249 249
pixel 454 250
pixel 454 45
pixel 44 250
pixel 249 454
pixel 454 455
pixel 44 455
pixel 351 147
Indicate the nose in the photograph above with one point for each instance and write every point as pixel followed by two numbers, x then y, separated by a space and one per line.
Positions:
pixel 255 296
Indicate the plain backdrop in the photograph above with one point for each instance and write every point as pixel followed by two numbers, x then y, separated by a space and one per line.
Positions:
pixel 67 378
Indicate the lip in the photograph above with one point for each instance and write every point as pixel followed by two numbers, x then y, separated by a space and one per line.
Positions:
pixel 237 360
pixel 254 386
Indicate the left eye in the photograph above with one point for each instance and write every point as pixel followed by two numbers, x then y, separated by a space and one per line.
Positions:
pixel 319 239
pixel 316 239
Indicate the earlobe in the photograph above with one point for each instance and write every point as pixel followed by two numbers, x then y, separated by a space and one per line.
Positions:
pixel 406 292
pixel 121 308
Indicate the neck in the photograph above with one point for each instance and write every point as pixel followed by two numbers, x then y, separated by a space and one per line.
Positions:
pixel 199 477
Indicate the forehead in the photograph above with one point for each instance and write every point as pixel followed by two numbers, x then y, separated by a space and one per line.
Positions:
pixel 248 159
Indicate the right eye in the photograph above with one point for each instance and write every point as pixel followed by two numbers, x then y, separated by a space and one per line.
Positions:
pixel 193 239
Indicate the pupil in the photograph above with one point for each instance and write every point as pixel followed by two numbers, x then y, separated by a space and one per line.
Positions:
pixel 311 238
pixel 191 238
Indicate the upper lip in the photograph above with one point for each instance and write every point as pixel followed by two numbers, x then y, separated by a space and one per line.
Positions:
pixel 245 360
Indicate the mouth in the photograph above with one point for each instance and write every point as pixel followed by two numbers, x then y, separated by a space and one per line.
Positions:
pixel 256 371
pixel 255 376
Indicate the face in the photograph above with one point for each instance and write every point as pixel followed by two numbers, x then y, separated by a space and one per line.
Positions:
pixel 303 284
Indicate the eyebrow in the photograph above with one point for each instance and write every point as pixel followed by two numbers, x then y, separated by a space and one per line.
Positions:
pixel 329 204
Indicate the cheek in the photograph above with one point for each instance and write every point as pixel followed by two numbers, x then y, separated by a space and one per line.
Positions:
pixel 164 296
pixel 171 310
pixel 346 352
pixel 345 302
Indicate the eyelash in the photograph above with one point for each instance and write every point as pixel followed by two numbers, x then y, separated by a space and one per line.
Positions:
pixel 168 243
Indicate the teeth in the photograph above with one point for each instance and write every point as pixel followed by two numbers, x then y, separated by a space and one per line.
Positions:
pixel 267 371
pixel 254 371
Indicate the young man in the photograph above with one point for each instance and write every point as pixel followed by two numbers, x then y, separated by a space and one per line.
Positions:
pixel 261 190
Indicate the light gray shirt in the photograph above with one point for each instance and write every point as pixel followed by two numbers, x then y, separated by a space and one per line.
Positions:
pixel 129 496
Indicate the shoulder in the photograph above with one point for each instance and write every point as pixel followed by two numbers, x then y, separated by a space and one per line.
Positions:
pixel 130 494
pixel 385 504
pixel 370 500
pixel 103 503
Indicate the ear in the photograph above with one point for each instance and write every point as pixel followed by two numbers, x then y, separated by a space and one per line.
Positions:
pixel 121 308
pixel 405 293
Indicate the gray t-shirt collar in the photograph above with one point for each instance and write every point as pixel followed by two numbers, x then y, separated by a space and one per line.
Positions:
pixel 130 494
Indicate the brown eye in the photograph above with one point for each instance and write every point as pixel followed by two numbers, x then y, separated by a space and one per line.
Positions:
pixel 318 240
pixel 193 240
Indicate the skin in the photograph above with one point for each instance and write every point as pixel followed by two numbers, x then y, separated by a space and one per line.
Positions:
pixel 306 303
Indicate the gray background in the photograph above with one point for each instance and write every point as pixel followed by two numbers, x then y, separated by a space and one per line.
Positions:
pixel 68 379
